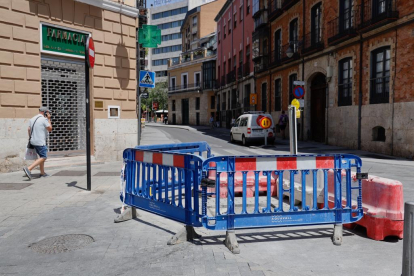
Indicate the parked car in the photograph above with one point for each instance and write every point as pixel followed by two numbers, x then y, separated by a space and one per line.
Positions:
pixel 247 129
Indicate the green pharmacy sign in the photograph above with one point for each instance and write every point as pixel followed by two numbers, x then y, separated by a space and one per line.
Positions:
pixel 149 36
pixel 63 41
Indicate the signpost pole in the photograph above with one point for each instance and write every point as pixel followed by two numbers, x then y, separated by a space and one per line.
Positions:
pixel 293 137
pixel 139 117
pixel 88 122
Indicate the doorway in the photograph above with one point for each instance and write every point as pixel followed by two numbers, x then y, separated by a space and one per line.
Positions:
pixel 185 111
pixel 318 107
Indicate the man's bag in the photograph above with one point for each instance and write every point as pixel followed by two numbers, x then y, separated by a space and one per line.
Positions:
pixel 30 154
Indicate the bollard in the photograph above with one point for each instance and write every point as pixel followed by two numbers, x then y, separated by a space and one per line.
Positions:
pixel 408 246
pixel 293 136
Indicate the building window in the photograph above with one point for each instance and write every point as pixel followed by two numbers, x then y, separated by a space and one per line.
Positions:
pixel 184 80
pixel 248 7
pixel 195 21
pixel 235 20
pixel 218 37
pixel 292 78
pixel 234 62
pixel 224 31
pixel 229 23
pixel 197 103
pixel 378 134
pixel 173 105
pixel 316 33
pixel 293 35
pixel 278 46
pixel 212 102
pixel 264 97
pixel 278 95
pixel 346 15
pixel 240 57
pixel 380 76
pixel 197 79
pixel 173 83
pixel 241 13
pixel 345 82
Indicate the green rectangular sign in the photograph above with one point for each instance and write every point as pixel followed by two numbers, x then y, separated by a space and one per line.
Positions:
pixel 63 41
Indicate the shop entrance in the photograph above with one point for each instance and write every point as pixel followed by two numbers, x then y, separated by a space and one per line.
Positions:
pixel 318 106
pixel 63 91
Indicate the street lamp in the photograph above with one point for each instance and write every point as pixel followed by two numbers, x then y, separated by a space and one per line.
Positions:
pixel 289 52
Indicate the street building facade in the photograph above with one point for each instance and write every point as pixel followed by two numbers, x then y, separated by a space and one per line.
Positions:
pixel 235 72
pixel 42 48
pixel 354 58
pixel 169 19
pixel 191 96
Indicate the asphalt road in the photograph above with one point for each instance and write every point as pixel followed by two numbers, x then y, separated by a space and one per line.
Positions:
pixel 375 164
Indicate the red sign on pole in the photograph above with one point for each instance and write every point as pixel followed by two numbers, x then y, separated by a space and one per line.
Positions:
pixel 155 105
pixel 90 47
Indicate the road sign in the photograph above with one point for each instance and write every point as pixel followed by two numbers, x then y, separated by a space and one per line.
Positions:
pixel 298 92
pixel 149 36
pixel 265 123
pixel 295 103
pixel 144 95
pixel 146 79
pixel 253 99
pixel 298 83
pixel 90 48
pixel 155 105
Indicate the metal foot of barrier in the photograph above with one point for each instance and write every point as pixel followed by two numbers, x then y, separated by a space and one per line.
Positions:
pixel 231 242
pixel 128 214
pixel 187 233
pixel 337 234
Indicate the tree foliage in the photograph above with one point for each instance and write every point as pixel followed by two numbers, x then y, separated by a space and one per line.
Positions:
pixel 158 94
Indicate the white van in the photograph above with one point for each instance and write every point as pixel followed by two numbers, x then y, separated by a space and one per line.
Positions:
pixel 246 129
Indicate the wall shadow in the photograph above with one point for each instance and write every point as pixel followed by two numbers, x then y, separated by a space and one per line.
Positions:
pixel 122 70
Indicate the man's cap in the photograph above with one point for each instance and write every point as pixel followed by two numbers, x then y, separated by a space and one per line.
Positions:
pixel 44 109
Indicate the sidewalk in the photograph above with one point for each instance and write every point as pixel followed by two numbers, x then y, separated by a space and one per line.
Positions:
pixel 31 211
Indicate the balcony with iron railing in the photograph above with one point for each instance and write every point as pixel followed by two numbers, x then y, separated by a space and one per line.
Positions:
pixel 275 9
pixel 240 71
pixel 276 57
pixel 209 84
pixel 342 27
pixel 223 81
pixel 261 64
pixel 231 76
pixel 260 20
pixel 193 55
pixel 287 4
pixel 313 41
pixel 259 6
pixel 373 14
pixel 184 88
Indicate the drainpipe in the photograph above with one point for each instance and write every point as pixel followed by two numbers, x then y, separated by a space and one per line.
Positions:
pixel 393 92
pixel 360 92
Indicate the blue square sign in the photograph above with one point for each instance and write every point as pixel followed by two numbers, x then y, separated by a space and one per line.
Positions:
pixel 147 79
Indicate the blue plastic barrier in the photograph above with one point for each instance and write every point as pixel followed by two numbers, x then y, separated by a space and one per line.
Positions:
pixel 168 179
pixel 277 166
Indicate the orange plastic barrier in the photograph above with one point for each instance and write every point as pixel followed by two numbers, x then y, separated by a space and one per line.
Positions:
pixel 238 183
pixel 383 205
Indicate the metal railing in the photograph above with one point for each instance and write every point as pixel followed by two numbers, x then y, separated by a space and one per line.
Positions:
pixel 380 90
pixel 211 84
pixel 231 77
pixel 190 86
pixel 276 57
pixel 342 27
pixel 372 12
pixel 294 50
pixel 261 64
pixel 313 41
pixel 223 80
pixel 261 19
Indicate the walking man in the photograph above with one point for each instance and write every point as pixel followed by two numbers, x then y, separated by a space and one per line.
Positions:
pixel 38 129
pixel 283 121
pixel 211 121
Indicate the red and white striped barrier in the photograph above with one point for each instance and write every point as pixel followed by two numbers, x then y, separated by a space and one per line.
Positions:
pixel 284 163
pixel 165 159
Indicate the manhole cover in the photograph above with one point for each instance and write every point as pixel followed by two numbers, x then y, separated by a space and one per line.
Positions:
pixel 70 173
pixel 108 174
pixel 14 186
pixel 61 244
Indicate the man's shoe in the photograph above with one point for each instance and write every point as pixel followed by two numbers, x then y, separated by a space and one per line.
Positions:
pixel 27 172
pixel 44 175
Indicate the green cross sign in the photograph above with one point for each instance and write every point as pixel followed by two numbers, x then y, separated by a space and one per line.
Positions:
pixel 149 36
